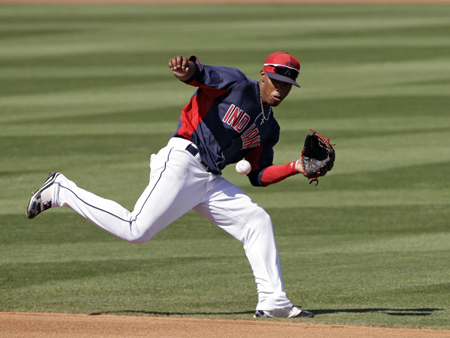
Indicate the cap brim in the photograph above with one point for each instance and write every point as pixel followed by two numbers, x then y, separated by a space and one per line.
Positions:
pixel 282 78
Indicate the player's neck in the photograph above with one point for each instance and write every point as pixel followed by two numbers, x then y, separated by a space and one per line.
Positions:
pixel 264 103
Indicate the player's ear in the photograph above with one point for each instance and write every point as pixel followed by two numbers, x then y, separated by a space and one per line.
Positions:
pixel 263 75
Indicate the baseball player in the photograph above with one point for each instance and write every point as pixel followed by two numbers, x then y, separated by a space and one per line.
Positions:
pixel 228 118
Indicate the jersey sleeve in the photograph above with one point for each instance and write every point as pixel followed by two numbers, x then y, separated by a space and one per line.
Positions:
pixel 277 173
pixel 269 173
pixel 214 80
pixel 260 159
pixel 264 172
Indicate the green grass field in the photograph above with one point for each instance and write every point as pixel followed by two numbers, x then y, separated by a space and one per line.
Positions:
pixel 86 90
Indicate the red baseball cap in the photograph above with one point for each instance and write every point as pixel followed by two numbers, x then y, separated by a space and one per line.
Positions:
pixel 282 67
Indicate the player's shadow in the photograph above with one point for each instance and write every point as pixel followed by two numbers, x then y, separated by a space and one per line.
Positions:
pixel 158 313
pixel 391 312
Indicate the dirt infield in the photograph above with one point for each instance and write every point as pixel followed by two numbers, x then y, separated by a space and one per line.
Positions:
pixel 40 325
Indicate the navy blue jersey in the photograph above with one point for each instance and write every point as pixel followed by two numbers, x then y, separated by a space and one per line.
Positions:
pixel 223 119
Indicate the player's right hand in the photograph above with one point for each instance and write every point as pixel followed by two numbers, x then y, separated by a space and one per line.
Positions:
pixel 179 65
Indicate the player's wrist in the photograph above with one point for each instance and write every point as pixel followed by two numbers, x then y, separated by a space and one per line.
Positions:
pixel 298 166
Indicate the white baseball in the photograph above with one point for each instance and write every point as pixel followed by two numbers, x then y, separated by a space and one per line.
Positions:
pixel 243 167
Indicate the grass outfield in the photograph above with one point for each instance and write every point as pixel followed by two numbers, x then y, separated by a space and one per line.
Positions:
pixel 86 90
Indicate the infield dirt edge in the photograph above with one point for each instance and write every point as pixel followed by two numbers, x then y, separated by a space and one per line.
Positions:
pixel 52 325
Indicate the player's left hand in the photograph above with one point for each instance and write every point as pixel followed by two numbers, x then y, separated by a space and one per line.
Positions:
pixel 317 157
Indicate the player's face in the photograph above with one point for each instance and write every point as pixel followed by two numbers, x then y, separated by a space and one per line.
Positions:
pixel 273 91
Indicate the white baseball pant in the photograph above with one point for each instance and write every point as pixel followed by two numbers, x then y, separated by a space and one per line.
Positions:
pixel 179 182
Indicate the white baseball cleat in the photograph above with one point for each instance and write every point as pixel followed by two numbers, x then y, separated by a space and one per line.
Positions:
pixel 42 198
pixel 287 312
